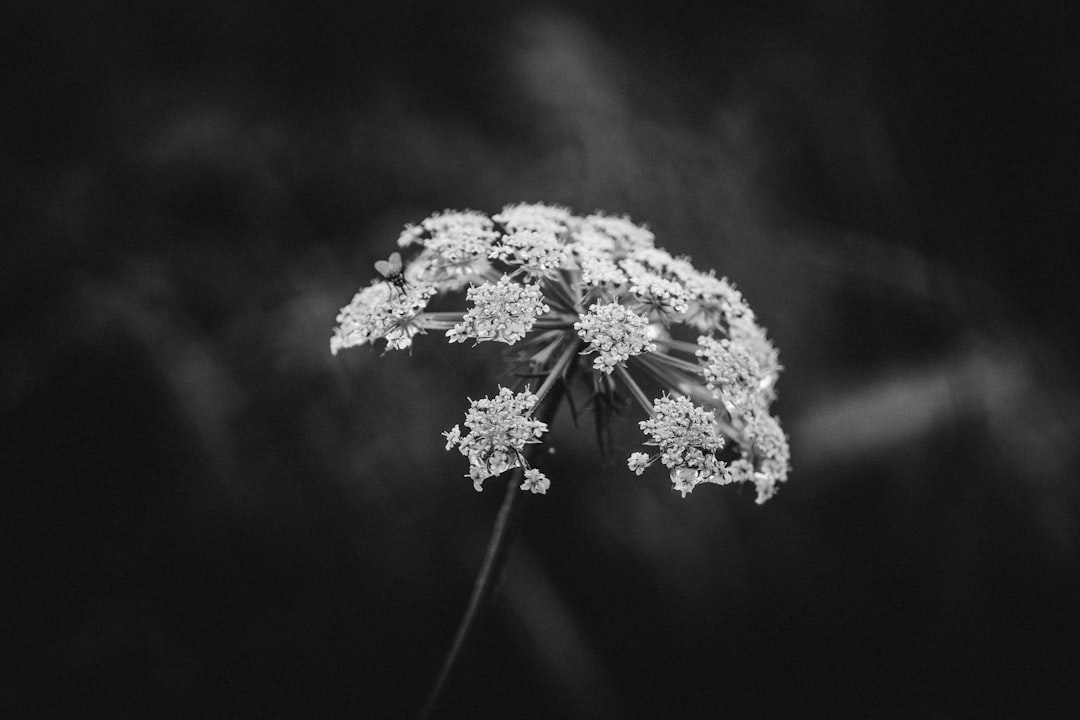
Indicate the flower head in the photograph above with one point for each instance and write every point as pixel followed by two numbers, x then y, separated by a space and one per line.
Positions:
pixel 615 332
pixel 537 253
pixel 503 311
pixel 499 429
pixel 769 446
pixel 655 292
pixel 574 298
pixel 382 311
pixel 550 219
pixel 732 372
pixel 598 269
pixel 535 482
pixel 688 438
pixel 626 235
pixel 637 462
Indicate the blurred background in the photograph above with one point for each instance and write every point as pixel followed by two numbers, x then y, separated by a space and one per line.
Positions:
pixel 211 516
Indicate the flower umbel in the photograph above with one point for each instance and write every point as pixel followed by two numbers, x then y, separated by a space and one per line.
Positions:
pixel 590 305
pixel 614 332
pixel 382 312
pixel 688 438
pixel 499 429
pixel 503 311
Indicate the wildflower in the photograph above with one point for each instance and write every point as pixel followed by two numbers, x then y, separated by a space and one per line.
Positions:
pixel 746 332
pixel 536 253
pixel 598 270
pixel 504 311
pixel 770 446
pixel 688 438
pixel 382 311
pixel 499 429
pixel 455 248
pixel 541 218
pixel 535 482
pixel 574 298
pixel 637 462
pixel 706 292
pixel 732 372
pixel 615 333
pixel 655 292
pixel 627 235
pixel 464 224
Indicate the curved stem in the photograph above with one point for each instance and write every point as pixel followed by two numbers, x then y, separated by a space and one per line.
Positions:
pixel 494 557
pixel 481 589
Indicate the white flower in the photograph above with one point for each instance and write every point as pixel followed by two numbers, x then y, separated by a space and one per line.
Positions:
pixel 459 224
pixel 536 253
pixel 654 291
pixel 535 482
pixel 626 234
pixel 549 219
pixel 746 332
pixel 770 447
pixel 382 311
pixel 688 439
pixel 637 462
pixel 615 332
pixel 732 372
pixel 706 291
pixel 598 269
pixel 499 429
pixel 575 298
pixel 456 247
pixel 504 311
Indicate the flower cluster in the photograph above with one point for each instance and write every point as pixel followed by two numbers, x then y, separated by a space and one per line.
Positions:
pixel 499 429
pixel 733 374
pixel 688 439
pixel 382 311
pixel 504 311
pixel 591 306
pixel 614 332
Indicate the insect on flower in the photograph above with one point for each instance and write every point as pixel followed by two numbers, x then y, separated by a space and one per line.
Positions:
pixel 392 270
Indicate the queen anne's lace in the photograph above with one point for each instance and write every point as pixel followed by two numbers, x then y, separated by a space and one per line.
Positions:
pixel 536 253
pixel 627 235
pixel 499 429
pixel 732 372
pixel 597 269
pixel 541 218
pixel 535 482
pixel 615 333
pixel 687 437
pixel 655 292
pixel 504 311
pixel 770 445
pixel 382 311
pixel 576 297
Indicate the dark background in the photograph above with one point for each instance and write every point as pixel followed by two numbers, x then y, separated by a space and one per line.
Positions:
pixel 210 516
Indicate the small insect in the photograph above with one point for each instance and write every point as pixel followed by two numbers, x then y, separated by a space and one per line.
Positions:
pixel 391 269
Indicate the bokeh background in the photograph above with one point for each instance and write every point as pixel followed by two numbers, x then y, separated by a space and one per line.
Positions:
pixel 210 516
